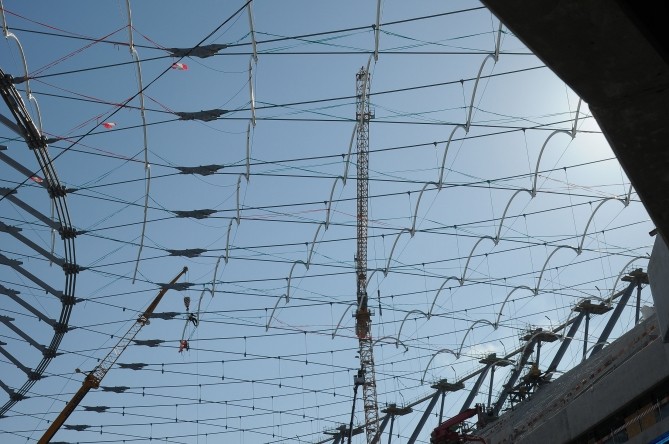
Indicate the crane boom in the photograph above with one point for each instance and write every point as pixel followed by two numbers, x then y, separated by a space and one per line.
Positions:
pixel 93 379
pixel 445 433
pixel 363 314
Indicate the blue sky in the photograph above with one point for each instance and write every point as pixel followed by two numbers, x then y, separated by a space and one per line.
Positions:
pixel 256 374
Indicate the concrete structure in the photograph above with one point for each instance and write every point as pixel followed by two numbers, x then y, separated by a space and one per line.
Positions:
pixel 618 395
pixel 598 398
pixel 659 263
pixel 610 52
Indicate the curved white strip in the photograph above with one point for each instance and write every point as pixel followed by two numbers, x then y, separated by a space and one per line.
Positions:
pixel 541 153
pixel 622 271
pixel 471 253
pixel 147 175
pixel 239 183
pixel 29 93
pixel 443 159
pixel 404 320
pixel 329 204
pixel 131 41
pixel 628 198
pixel 476 85
pixel 227 242
pixel 11 35
pixel 392 250
pixel 439 291
pixel 369 278
pixel 412 231
pixel 248 152
pixel 313 244
pixel 480 321
pixel 580 245
pixel 394 341
pixel 33 99
pixel 213 279
pixel 5 31
pixel 252 93
pixel 499 42
pixel 290 277
pixel 578 110
pixel 147 182
pixel 501 222
pixel 334 333
pixel 443 350
pixel 536 290
pixel 499 315
pixel 252 31
pixel 273 310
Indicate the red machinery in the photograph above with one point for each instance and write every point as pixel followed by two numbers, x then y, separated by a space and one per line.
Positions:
pixel 447 432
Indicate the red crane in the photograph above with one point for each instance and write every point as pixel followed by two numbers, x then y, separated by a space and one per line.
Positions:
pixel 447 432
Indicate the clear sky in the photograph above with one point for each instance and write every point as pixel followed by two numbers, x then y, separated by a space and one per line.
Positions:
pixel 273 356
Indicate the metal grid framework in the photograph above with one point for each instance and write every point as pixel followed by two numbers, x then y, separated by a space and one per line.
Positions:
pixel 363 314
pixel 60 222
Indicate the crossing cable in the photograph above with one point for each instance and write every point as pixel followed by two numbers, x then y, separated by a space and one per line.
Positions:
pixel 91 131
pixel 125 103
pixel 259 42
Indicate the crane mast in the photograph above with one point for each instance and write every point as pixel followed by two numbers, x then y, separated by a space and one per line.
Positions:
pixel 363 321
pixel 93 379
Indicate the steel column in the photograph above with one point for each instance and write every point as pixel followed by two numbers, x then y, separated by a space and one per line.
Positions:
pixel 613 319
pixel 475 390
pixel 529 348
pixel 423 419
pixel 565 343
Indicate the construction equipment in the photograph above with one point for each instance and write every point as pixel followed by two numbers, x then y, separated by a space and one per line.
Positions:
pixel 94 377
pixel 447 432
pixel 363 314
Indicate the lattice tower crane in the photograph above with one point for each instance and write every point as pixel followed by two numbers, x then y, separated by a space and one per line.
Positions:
pixel 94 377
pixel 363 321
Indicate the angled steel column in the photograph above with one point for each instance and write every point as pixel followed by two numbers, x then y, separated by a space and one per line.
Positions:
pixel 16 265
pixel 9 195
pixel 379 432
pixel 17 166
pixel 529 348
pixel 492 379
pixel 14 396
pixel 390 432
pixel 565 343
pixel 8 322
pixel 423 419
pixel 14 295
pixel 638 277
pixel 441 410
pixel 614 318
pixel 475 390
pixel 585 334
pixel 15 232
pixel 16 362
